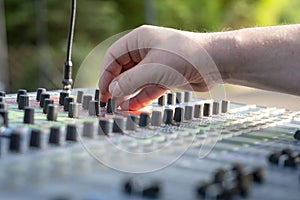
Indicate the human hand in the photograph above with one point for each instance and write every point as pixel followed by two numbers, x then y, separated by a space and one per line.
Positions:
pixel 150 60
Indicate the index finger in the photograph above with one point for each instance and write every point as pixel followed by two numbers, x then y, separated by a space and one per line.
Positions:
pixel 121 56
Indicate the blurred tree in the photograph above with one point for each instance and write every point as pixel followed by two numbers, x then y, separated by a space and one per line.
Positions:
pixel 37 29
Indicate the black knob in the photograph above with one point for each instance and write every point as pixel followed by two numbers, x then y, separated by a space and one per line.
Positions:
pixel 225 107
pixel 179 97
pixel 297 135
pixel 103 127
pixel 102 104
pixel 207 109
pixel 144 119
pixel 168 116
pixel 198 111
pixel 94 108
pixel 170 99
pixel 54 137
pixel 131 122
pixel 52 112
pixel 2 94
pixel 216 108
pixel 290 162
pixel 3 106
pixel 88 129
pixel 118 125
pixel 86 101
pixel 62 96
pixel 73 110
pixel 71 133
pixel 23 102
pixel 15 142
pixel 97 95
pixel 188 96
pixel 46 103
pixel 35 138
pixel 188 112
pixel 79 96
pixel 219 176
pixel 111 106
pixel 21 92
pixel 274 158
pixel 2 99
pixel 39 92
pixel 156 118
pixel 43 97
pixel 67 102
pixel 151 191
pixel 162 100
pixel 258 175
pixel 4 115
pixel 178 115
pixel 28 116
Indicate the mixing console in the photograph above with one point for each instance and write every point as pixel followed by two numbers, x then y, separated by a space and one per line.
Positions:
pixel 56 145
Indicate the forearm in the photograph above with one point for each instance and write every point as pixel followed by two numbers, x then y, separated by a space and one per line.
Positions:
pixel 265 58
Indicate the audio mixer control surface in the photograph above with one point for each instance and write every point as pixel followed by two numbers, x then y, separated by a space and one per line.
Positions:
pixel 60 145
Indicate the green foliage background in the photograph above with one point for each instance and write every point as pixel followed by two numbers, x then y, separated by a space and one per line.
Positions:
pixel 37 29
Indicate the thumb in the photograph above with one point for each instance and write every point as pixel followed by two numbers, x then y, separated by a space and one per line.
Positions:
pixel 145 74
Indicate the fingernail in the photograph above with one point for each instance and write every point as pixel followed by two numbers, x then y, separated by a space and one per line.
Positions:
pixel 114 89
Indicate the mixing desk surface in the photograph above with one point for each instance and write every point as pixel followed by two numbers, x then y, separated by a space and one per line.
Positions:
pixel 56 145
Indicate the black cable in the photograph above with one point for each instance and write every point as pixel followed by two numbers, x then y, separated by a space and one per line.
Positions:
pixel 67 81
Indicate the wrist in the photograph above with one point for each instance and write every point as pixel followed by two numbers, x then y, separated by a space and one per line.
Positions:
pixel 222 48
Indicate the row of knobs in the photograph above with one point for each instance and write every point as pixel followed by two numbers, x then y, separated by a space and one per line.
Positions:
pixel 92 105
pixel 285 158
pixel 225 184
pixel 229 184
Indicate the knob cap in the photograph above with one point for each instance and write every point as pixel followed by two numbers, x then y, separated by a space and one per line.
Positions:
pixel 144 120
pixel 43 97
pixel 52 112
pixel 93 108
pixel 80 94
pixel 131 122
pixel 86 101
pixel 111 106
pixel 46 103
pixel 73 110
pixel 35 138
pixel 88 129
pixel 62 96
pixel 21 92
pixel 178 116
pixel 54 137
pixel 156 118
pixel 118 125
pixel 23 102
pixel 39 92
pixel 168 116
pixel 28 116
pixel 103 128
pixel 67 102
pixel 162 100
pixel 71 133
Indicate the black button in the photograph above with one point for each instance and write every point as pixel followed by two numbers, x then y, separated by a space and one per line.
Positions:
pixel 258 175
pixel 39 92
pixel 144 120
pixel 54 137
pixel 297 135
pixel 35 138
pixel 15 142
pixel 62 96
pixel 28 116
pixel 71 134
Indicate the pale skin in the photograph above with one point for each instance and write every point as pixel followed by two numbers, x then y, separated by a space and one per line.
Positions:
pixel 263 57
